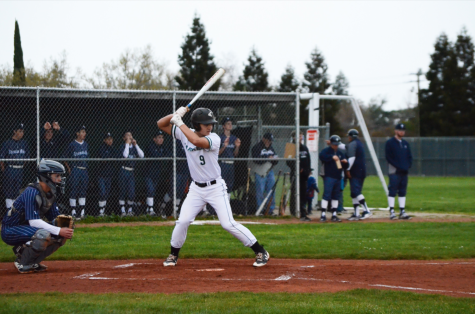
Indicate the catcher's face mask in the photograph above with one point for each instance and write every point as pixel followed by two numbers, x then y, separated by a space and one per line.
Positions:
pixel 59 182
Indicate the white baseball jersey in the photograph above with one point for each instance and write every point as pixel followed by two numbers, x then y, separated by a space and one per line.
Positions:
pixel 203 163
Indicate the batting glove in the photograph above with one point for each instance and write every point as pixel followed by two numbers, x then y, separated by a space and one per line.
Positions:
pixel 181 111
pixel 176 120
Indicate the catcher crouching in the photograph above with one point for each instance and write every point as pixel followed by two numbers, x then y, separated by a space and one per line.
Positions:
pixel 23 227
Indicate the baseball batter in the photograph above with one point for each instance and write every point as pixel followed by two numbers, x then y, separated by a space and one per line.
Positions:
pixel 202 147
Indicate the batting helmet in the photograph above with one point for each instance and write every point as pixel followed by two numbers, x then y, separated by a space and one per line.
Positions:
pixel 44 171
pixel 353 133
pixel 335 140
pixel 202 116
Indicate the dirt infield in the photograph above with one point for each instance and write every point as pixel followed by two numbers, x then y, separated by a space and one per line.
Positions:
pixel 455 278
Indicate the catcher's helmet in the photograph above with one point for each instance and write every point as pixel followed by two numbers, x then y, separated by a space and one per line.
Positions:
pixel 202 116
pixel 353 133
pixel 335 140
pixel 44 171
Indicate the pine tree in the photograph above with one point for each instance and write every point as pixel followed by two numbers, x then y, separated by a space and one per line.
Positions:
pixel 196 61
pixel 341 85
pixel 254 77
pixel 443 108
pixel 288 82
pixel 18 65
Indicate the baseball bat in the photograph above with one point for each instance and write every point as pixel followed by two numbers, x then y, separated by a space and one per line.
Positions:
pixel 268 195
pixel 338 164
pixel 282 196
pixel 247 190
pixel 208 84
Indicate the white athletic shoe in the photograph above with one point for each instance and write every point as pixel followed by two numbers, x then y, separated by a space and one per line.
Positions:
pixel 261 259
pixel 171 260
pixel 365 215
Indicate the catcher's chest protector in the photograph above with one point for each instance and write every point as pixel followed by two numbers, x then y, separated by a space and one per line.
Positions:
pixel 44 200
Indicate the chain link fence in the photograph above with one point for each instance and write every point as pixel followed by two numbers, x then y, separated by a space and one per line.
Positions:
pixel 92 133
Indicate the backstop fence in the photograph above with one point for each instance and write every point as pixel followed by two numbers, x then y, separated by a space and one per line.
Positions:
pixel 92 133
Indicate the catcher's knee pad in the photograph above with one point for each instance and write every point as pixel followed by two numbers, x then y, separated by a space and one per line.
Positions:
pixel 41 240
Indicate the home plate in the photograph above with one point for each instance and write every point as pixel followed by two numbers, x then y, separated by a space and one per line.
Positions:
pixel 210 269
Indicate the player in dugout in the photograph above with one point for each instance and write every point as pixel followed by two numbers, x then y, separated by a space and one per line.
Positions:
pixel 24 226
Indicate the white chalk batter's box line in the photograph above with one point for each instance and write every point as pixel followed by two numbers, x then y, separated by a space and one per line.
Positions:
pixel 286 277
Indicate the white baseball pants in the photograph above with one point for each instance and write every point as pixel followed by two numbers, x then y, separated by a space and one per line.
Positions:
pixel 217 196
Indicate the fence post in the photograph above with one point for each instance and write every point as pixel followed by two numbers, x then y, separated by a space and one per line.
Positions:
pixel 174 162
pixel 37 125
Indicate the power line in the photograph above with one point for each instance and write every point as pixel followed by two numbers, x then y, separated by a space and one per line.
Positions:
pixel 386 84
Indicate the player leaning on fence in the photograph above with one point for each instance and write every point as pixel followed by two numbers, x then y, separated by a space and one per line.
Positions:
pixel 24 226
pixel 333 162
pixel 399 158
pixel 201 147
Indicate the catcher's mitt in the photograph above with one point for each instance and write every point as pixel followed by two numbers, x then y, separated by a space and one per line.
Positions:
pixel 64 221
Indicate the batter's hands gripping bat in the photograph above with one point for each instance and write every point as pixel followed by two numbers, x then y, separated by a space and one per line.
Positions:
pixel 258 212
pixel 208 84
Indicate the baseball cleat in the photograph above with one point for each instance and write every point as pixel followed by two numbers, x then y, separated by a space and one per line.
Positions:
pixel 353 217
pixel 123 214
pixel 25 269
pixel 40 268
pixel 323 219
pixel 261 259
pixel 335 219
pixel 392 216
pixel 171 260
pixel 305 218
pixel 404 216
pixel 365 215
pixel 130 214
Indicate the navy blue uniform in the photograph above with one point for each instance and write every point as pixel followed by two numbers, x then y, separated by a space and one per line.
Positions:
pixel 15 228
pixel 107 171
pixel 264 183
pixel 126 174
pixel 13 175
pixel 79 178
pixel 358 169
pixel 227 167
pixel 52 148
pixel 304 162
pixel 399 158
pixel 331 174
pixel 182 172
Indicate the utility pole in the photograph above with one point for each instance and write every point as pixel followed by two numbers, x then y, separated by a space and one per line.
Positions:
pixel 418 74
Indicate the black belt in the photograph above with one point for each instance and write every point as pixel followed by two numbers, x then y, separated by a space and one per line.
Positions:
pixel 205 184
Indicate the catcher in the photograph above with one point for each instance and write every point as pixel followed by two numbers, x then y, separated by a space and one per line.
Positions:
pixel 23 227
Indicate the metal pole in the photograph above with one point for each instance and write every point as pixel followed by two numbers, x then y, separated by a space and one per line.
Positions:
pixel 37 125
pixel 369 143
pixel 174 163
pixel 259 123
pixel 327 130
pixel 297 155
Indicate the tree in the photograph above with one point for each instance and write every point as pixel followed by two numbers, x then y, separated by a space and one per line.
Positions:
pixel 133 70
pixel 196 61
pixel 288 82
pixel 444 110
pixel 341 85
pixel 18 65
pixel 254 77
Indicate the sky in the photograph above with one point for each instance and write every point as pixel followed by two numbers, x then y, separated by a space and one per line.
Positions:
pixel 376 44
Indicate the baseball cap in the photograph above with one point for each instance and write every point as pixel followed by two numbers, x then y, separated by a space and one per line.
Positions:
pixel 159 133
pixel 400 126
pixel 226 119
pixel 269 136
pixel 108 134
pixel 79 128
pixel 19 126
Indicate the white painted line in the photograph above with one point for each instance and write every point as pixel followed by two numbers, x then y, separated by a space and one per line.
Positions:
pixel 86 276
pixel 216 222
pixel 419 289
pixel 284 277
pixel 126 265
pixel 311 266
pixel 210 269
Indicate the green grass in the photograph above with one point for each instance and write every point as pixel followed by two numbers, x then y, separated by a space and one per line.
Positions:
pixel 453 195
pixel 355 301
pixel 347 241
